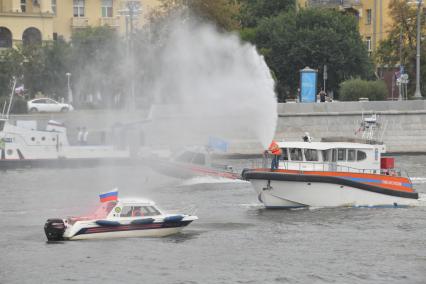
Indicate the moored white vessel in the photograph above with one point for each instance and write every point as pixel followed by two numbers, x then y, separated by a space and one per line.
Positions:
pixel 23 144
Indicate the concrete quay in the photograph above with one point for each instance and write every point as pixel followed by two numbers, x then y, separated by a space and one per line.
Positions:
pixel 404 124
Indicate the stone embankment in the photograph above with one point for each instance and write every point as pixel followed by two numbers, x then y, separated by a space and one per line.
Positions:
pixel 403 124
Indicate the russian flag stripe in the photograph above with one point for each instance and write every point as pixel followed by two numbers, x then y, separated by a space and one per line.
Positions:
pixel 109 196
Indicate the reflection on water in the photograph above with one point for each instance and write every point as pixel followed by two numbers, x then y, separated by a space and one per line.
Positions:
pixel 181 237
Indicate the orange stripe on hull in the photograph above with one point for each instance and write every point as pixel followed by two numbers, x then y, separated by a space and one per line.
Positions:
pixel 384 181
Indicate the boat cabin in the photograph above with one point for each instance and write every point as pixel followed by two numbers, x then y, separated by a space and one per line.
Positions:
pixel 128 209
pixel 331 156
pixel 193 156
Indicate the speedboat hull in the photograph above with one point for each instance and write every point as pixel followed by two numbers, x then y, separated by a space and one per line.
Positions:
pixel 129 231
pixel 295 190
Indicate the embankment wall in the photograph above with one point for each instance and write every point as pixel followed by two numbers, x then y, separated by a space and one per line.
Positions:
pixel 403 122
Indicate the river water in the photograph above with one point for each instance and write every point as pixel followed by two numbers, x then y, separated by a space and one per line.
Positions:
pixel 235 240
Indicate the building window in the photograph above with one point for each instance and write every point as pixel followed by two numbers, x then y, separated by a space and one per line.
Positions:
pixel 368 19
pixel 31 36
pixel 5 38
pixel 106 8
pixel 54 7
pixel 23 6
pixel 368 43
pixel 78 7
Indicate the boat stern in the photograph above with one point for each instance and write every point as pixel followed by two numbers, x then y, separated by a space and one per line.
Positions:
pixel 54 229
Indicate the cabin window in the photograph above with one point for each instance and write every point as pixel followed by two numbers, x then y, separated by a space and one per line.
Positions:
pixel 284 155
pixel 126 211
pixel 150 211
pixel 296 154
pixel 334 155
pixel 311 155
pixel 341 154
pixel 325 155
pixel 137 211
pixel 199 159
pixel 351 155
pixel 360 155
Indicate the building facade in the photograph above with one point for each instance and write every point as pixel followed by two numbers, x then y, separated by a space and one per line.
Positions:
pixel 31 21
pixel 373 17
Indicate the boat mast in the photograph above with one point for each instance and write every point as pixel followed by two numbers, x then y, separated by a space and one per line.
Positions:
pixel 11 97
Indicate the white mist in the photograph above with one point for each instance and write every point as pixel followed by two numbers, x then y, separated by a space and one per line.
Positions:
pixel 213 84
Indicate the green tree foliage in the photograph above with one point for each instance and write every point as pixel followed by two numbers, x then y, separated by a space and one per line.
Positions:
pixel 223 13
pixel 253 11
pixel 312 37
pixel 39 68
pixel 19 104
pixel 400 45
pixel 353 89
pixel 10 66
pixel 96 58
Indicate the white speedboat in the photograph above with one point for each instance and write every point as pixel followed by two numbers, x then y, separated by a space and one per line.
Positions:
pixel 118 219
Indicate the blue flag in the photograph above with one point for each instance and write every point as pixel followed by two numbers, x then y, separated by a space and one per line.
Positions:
pixel 218 144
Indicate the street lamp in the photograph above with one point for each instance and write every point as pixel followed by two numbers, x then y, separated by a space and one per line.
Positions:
pixel 418 93
pixel 69 87
pixel 131 9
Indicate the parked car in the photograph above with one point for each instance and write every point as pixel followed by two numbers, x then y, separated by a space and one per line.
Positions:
pixel 47 105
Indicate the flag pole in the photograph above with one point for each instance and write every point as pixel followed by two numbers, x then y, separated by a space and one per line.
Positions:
pixel 11 98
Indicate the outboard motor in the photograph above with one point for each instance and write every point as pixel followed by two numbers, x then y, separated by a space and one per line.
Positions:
pixel 54 229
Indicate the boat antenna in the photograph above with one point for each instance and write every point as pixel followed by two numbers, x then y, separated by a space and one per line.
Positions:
pixel 11 97
pixel 4 108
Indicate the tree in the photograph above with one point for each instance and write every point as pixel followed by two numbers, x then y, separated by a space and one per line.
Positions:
pixel 57 63
pixel 96 58
pixel 10 66
pixel 353 89
pixel 400 45
pixel 223 13
pixel 312 37
pixel 253 11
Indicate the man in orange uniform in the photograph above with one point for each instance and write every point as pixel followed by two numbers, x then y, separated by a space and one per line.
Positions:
pixel 276 152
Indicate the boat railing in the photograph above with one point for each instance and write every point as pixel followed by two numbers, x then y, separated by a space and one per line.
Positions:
pixel 303 166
